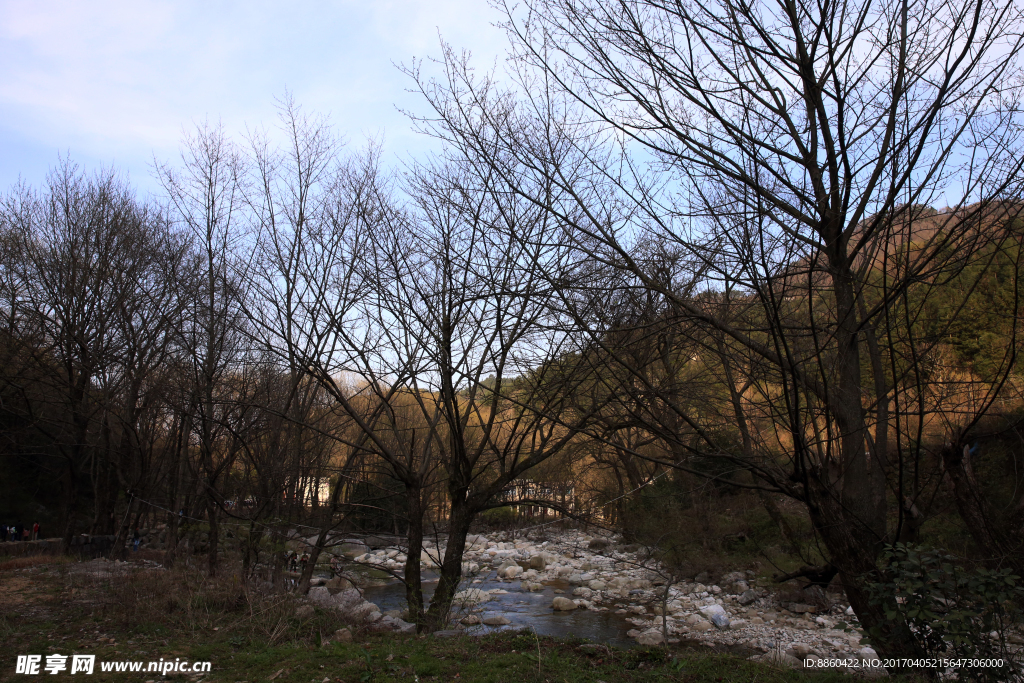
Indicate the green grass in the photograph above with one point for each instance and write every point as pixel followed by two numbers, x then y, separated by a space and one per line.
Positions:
pixel 497 658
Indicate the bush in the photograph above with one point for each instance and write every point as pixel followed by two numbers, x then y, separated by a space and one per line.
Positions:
pixel 504 518
pixel 953 612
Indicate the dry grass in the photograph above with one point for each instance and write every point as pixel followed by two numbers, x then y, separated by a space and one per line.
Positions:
pixel 189 601
pixel 31 561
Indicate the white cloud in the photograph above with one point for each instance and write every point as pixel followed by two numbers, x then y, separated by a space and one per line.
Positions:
pixel 119 80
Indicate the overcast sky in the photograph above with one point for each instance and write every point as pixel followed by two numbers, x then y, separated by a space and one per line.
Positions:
pixel 116 82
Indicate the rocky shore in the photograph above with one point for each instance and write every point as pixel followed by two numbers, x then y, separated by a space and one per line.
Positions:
pixel 599 572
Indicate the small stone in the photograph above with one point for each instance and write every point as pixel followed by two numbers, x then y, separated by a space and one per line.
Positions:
pixel 800 608
pixel 343 635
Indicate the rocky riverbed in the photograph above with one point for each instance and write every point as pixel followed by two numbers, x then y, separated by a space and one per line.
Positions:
pixel 597 572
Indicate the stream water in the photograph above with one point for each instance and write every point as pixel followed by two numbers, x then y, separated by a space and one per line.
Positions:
pixel 524 609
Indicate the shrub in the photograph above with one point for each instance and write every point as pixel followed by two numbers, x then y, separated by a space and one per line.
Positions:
pixel 500 518
pixel 953 612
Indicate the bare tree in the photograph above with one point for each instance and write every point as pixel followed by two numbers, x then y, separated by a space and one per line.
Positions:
pixel 400 301
pixel 772 152
pixel 207 199
pixel 87 266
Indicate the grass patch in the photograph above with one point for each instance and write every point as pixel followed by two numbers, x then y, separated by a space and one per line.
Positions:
pixel 31 561
pixel 124 612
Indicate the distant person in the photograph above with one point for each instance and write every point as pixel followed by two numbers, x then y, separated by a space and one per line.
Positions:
pixel 303 561
pixel 136 539
pixel 35 531
pixel 3 533
pixel 17 532
pixel 25 534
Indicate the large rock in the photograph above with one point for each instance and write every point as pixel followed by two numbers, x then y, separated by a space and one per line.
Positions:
pixel 537 562
pixel 747 597
pixel 780 659
pixel 392 624
pixel 652 637
pixel 381 541
pixel 337 584
pixel 867 653
pixel 471 596
pixel 321 596
pixel 349 602
pixel 800 650
pixel 496 620
pixel 563 604
pixel 716 615
pixel 598 544
pixel 352 549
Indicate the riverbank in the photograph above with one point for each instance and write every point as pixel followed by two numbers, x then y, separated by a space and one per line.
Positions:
pixel 138 611
pixel 571 570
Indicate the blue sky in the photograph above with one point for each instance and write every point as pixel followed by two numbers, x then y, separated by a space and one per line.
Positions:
pixel 116 82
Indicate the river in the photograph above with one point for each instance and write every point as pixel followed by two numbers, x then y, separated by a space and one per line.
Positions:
pixel 523 609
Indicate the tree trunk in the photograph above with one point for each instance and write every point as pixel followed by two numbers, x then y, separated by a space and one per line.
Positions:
pixel 117 550
pixel 172 539
pixel 251 553
pixel 413 578
pixel 451 567
pixel 68 508
pixel 214 535
pixel 855 555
